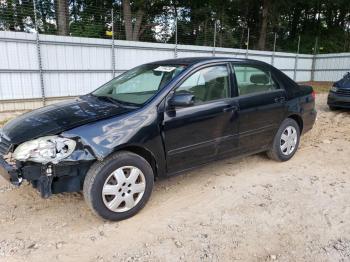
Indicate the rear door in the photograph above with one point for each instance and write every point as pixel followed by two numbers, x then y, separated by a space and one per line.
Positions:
pixel 193 135
pixel 262 106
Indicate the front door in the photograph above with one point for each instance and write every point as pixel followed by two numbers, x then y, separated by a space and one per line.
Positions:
pixel 262 106
pixel 195 134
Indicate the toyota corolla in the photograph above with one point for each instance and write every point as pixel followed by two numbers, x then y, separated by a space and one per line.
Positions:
pixel 156 120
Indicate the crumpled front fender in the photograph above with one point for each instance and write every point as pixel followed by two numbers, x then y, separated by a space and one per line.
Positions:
pixel 140 128
pixel 104 136
pixel 80 155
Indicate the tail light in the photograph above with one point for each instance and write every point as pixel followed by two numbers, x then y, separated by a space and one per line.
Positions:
pixel 313 94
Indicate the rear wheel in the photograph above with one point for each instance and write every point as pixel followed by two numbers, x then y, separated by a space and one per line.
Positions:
pixel 286 141
pixel 332 108
pixel 118 187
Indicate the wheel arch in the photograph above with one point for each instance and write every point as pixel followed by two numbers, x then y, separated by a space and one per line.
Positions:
pixel 297 118
pixel 144 153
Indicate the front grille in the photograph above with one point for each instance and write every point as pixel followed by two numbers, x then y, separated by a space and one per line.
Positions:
pixel 5 144
pixel 343 91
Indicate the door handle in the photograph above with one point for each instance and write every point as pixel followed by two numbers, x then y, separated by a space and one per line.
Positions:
pixel 230 109
pixel 281 99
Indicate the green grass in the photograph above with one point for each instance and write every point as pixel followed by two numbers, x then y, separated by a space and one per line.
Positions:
pixel 321 88
pixel 4 121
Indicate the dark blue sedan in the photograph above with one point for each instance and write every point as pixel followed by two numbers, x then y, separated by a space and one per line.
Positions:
pixel 339 95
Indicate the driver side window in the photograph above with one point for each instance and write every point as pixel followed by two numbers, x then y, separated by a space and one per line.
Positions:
pixel 207 84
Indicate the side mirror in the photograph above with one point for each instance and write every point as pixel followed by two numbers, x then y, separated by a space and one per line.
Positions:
pixel 181 100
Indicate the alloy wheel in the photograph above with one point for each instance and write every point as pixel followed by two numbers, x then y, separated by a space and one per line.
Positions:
pixel 288 141
pixel 123 189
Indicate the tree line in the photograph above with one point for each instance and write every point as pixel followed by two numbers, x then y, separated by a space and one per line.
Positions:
pixel 269 21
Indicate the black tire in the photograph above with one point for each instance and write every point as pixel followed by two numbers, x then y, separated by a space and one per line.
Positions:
pixel 332 108
pixel 100 171
pixel 275 152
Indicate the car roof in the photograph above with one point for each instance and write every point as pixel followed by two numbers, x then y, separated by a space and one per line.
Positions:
pixel 197 60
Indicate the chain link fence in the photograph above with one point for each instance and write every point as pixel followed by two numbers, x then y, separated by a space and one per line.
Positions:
pixel 108 20
pixel 50 63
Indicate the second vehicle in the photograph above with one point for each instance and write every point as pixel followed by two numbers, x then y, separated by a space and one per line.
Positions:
pixel 339 95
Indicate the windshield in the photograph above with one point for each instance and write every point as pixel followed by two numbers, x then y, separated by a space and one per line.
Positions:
pixel 140 84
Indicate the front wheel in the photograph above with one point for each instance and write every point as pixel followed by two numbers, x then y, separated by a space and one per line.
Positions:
pixel 286 141
pixel 118 187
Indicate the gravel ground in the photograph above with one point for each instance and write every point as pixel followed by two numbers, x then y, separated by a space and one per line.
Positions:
pixel 252 209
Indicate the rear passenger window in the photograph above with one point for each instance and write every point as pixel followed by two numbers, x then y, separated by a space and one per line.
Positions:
pixel 252 80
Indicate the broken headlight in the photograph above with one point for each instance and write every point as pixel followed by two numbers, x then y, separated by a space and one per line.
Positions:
pixel 48 149
pixel 334 89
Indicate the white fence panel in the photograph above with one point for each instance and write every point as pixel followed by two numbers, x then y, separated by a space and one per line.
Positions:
pixel 19 86
pixel 130 54
pixel 18 54
pixel 193 51
pixel 67 57
pixel 73 66
pixel 331 67
pixel 19 76
pixel 73 84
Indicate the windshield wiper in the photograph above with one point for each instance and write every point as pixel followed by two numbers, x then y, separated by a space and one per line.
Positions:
pixel 116 101
pixel 107 98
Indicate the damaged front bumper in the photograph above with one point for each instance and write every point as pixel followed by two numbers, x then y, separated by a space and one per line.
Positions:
pixel 10 173
pixel 48 179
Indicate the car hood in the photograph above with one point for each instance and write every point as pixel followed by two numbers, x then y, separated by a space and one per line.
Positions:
pixel 56 118
pixel 343 83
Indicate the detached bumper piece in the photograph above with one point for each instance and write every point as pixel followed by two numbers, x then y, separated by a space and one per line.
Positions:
pixel 54 179
pixel 10 173
pixel 47 179
pixel 38 177
pixel 31 173
pixel 43 185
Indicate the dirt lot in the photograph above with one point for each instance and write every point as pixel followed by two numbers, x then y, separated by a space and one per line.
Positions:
pixel 251 209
